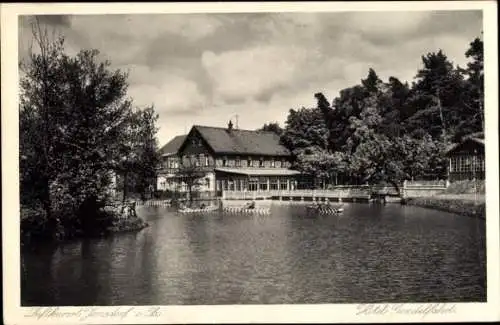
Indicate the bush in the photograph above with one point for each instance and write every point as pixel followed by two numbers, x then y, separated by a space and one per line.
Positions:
pixel 93 218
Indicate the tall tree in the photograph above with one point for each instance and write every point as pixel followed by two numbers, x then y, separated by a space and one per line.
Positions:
pixel 475 85
pixel 38 104
pixel 75 120
pixel 436 96
pixel 141 167
pixel 272 127
pixel 305 130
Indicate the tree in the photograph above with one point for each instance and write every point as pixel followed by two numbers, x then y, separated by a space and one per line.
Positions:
pixel 390 131
pixel 138 168
pixel 272 127
pixel 475 83
pixel 437 96
pixel 38 136
pixel 372 82
pixel 75 129
pixel 304 129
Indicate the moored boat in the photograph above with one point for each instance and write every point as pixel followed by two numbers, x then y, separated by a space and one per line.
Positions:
pixel 325 209
pixel 199 210
pixel 247 210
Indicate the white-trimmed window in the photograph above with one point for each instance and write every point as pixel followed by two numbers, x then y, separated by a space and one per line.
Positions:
pixel 274 184
pixel 263 184
pixel 283 184
pixel 253 184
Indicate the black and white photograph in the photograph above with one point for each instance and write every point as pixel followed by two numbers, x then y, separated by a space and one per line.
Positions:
pixel 252 157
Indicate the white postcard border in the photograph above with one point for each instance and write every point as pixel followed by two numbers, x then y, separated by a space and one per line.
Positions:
pixel 327 313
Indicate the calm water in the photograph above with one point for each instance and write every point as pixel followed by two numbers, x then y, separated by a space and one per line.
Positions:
pixel 370 253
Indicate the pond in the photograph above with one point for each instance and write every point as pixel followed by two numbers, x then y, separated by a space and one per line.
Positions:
pixel 369 253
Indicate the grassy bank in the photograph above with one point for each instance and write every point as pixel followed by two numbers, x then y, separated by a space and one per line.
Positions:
pixel 463 205
pixel 465 197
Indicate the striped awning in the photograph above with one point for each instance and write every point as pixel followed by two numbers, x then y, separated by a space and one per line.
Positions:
pixel 259 171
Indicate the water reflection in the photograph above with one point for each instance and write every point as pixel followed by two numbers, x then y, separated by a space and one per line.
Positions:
pixel 370 253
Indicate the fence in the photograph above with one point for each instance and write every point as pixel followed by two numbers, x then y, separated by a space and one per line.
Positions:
pixel 407 188
pixel 351 192
pixel 424 188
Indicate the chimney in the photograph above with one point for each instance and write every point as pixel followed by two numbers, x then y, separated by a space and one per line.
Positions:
pixel 229 126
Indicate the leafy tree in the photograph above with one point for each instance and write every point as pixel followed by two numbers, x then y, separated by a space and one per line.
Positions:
pixel 272 127
pixel 305 130
pixel 76 125
pixel 138 167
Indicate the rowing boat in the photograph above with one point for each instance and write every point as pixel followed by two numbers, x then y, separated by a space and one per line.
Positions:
pixel 247 211
pixel 325 209
pixel 199 210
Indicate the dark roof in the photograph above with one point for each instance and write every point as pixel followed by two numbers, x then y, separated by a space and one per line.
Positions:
pixel 242 142
pixel 456 146
pixel 173 145
pixel 477 135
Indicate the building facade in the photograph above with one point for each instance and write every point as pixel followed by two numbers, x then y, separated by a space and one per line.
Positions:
pixel 466 160
pixel 228 159
pixel 167 172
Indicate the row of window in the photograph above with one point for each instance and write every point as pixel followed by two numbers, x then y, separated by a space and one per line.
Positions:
pixel 172 163
pixel 467 163
pixel 204 160
pixel 224 162
pixel 181 185
pixel 254 184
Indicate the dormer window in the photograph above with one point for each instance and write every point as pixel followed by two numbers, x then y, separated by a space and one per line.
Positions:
pixel 261 162
pixel 273 163
pixel 224 162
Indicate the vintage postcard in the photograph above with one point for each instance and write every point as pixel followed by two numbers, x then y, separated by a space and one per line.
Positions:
pixel 327 162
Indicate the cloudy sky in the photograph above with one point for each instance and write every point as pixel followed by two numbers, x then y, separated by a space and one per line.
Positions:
pixel 206 68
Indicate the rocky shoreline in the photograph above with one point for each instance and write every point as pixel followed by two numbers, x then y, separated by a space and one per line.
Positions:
pixel 459 206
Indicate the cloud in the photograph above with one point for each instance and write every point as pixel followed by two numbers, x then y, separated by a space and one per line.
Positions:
pixel 205 68
pixel 252 72
pixel 387 23
pixel 170 94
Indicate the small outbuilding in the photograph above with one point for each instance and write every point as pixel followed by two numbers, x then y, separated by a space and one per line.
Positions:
pixel 466 160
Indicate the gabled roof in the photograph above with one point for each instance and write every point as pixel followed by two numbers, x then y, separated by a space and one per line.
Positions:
pixel 173 145
pixel 243 142
pixel 464 141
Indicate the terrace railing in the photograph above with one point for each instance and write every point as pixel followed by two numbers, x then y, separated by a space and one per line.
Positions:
pixel 334 193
